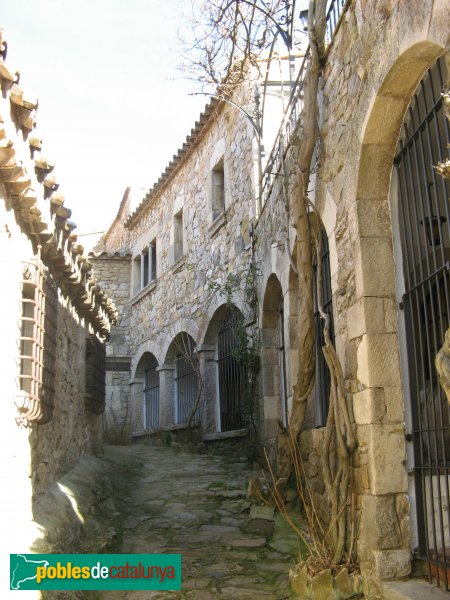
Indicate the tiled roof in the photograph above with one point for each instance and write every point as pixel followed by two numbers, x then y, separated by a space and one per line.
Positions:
pixel 178 160
pixel 39 206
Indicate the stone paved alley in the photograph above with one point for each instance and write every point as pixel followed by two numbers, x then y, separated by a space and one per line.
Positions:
pixel 196 505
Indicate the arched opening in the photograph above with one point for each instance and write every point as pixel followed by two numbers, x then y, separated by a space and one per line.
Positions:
pixel 274 384
pixel 146 405
pixel 223 333
pixel 187 379
pixel 231 372
pixel 378 323
pixel 419 199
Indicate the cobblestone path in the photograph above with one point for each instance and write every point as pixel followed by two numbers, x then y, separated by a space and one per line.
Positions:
pixel 176 502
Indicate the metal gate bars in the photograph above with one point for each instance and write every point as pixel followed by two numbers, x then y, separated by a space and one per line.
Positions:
pixel 425 237
pixel 231 376
pixel 151 395
pixel 186 380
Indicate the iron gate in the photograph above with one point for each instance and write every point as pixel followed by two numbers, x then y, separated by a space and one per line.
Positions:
pixel 231 376
pixel 425 237
pixel 186 382
pixel 151 395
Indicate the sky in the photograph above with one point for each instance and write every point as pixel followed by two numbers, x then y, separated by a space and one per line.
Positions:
pixel 113 106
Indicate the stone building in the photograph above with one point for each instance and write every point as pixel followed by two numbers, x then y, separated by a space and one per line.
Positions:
pixel 54 319
pixel 386 246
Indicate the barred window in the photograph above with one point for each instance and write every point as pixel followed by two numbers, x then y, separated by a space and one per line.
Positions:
pixel 95 375
pixel 37 344
pixel 186 379
pixel 144 267
pixel 322 371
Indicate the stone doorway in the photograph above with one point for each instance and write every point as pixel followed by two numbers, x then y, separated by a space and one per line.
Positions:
pixel 423 290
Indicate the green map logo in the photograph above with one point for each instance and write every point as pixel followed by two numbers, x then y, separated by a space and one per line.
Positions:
pixel 95 572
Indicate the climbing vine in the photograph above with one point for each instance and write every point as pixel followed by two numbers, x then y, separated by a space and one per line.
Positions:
pixel 339 440
pixel 246 341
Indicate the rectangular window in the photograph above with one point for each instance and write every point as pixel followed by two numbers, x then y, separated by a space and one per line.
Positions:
pixel 322 372
pixel 144 267
pixel 178 249
pixel 218 190
pixel 95 375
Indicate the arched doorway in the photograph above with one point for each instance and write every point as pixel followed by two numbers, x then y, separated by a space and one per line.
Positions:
pixel 231 372
pixel 273 360
pixel 420 199
pixel 187 380
pixel 147 408
pixel 225 374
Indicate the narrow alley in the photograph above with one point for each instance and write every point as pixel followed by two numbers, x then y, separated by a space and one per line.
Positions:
pixel 176 502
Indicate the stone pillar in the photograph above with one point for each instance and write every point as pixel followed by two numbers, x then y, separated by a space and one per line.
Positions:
pixel 142 270
pixel 137 405
pixel 270 412
pixel 208 370
pixel 166 395
pixel 150 262
pixel 372 343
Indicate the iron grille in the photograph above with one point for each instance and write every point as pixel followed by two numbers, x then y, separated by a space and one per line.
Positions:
pixel 151 395
pixel 335 9
pixel 294 109
pixel 231 375
pixel 425 236
pixel 322 393
pixel 37 344
pixel 282 365
pixel 186 382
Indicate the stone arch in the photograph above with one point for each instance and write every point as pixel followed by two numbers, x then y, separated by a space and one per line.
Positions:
pixel 274 384
pixel 145 393
pixel 371 321
pixel 215 371
pixel 183 341
pixel 211 313
pixel 378 364
pixel 165 339
pixel 147 347
pixel 182 378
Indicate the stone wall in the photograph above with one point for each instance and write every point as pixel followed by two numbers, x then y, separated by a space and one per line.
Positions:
pixel 379 55
pixel 113 274
pixel 36 457
pixel 181 297
pixel 45 426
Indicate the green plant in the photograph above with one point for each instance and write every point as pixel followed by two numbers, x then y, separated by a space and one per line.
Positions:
pixel 247 343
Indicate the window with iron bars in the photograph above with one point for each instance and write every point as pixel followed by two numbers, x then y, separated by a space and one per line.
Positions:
pixel 151 395
pixel 186 380
pixel 37 344
pixel 144 267
pixel 322 394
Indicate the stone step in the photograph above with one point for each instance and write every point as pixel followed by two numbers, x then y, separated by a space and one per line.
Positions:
pixel 413 589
